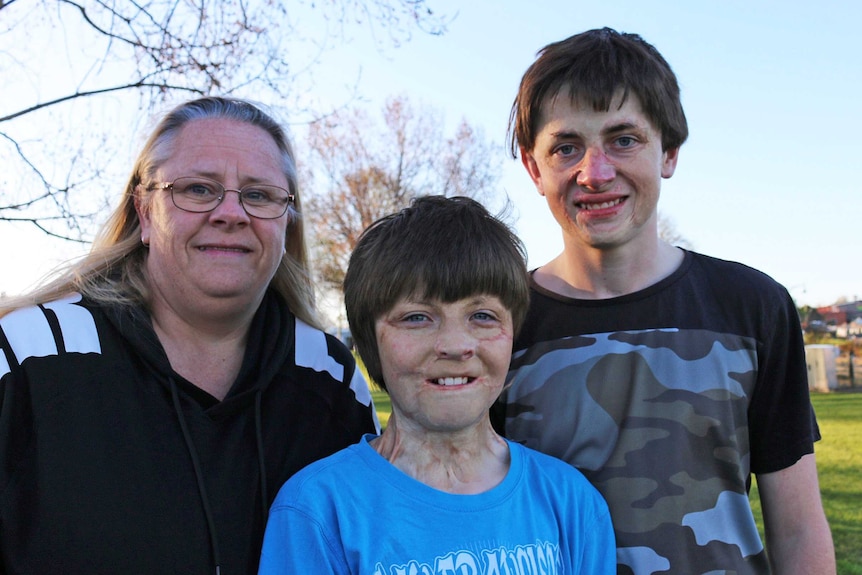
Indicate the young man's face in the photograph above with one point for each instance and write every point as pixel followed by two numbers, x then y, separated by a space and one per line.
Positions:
pixel 444 364
pixel 600 172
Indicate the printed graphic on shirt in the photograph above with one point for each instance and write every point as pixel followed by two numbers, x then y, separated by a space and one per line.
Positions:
pixel 542 558
pixel 657 420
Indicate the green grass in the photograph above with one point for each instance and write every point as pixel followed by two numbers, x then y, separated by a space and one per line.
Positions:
pixel 382 404
pixel 839 464
pixel 839 467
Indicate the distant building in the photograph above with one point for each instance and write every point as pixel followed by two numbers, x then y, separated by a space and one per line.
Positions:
pixel 843 319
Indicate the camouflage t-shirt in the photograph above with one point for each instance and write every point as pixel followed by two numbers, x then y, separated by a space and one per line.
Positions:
pixel 667 399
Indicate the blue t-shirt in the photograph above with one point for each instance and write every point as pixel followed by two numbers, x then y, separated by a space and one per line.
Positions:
pixel 354 512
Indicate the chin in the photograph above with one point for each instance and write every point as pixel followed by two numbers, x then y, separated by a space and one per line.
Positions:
pixel 454 423
pixel 242 291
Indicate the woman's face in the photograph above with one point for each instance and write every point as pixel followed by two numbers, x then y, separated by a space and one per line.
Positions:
pixel 221 260
pixel 444 364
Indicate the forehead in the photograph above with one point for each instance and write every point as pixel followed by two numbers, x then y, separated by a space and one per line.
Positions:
pixel 220 147
pixel 562 112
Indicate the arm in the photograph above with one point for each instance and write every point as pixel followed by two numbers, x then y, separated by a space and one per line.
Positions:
pixel 798 539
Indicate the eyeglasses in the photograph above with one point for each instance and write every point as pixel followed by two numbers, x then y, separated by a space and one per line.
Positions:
pixel 200 195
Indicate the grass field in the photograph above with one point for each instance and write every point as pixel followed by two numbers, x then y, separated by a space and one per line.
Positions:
pixel 839 461
pixel 839 465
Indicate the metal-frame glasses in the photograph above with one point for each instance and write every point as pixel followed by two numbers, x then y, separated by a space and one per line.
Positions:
pixel 200 195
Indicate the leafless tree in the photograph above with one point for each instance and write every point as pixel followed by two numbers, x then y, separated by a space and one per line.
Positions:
pixel 668 232
pixel 71 69
pixel 359 170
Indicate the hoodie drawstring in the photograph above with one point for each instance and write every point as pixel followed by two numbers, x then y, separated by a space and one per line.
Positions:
pixel 258 431
pixel 198 475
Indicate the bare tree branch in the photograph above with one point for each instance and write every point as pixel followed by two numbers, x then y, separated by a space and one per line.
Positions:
pixel 668 232
pixel 363 170
pixel 114 59
pixel 84 94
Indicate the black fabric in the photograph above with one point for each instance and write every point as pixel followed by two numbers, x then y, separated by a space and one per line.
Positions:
pixel 667 400
pixel 95 475
pixel 710 294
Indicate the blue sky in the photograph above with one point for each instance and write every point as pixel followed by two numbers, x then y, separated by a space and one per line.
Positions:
pixel 769 176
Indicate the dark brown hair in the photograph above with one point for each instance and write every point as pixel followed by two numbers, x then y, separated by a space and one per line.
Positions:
pixel 593 67
pixel 437 248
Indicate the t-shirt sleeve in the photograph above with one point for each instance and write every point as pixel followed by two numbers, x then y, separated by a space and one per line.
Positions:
pixel 297 542
pixel 782 425
pixel 600 547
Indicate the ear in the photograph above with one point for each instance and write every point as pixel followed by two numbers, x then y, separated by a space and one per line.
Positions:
pixel 532 168
pixel 143 212
pixel 668 162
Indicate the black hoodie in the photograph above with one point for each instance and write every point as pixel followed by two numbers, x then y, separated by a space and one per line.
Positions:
pixel 110 462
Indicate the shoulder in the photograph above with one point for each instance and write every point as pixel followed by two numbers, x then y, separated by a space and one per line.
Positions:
pixel 65 325
pixel 731 273
pixel 737 288
pixel 324 353
pixel 559 483
pixel 323 479
pixel 321 351
pixel 548 467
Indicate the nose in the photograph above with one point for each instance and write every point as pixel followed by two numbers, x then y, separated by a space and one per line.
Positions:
pixel 230 208
pixel 455 342
pixel 595 169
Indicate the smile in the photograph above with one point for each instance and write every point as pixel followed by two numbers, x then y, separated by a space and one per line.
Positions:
pixel 601 206
pixel 222 249
pixel 446 381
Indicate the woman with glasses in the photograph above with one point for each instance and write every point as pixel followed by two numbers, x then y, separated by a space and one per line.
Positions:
pixel 157 393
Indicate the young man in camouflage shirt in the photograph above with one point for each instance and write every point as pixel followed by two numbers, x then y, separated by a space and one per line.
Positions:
pixel 667 377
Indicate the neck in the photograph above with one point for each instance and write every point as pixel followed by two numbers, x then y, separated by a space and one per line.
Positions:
pixel 207 353
pixel 466 462
pixel 607 273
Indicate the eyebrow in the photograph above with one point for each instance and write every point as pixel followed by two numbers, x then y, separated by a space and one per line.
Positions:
pixel 622 127
pixel 484 299
pixel 564 135
pixel 215 176
pixel 610 130
pixel 643 130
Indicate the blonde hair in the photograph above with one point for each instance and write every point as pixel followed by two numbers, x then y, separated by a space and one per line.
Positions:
pixel 113 272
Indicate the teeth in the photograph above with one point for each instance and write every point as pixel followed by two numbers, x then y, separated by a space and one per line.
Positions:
pixel 452 381
pixel 601 206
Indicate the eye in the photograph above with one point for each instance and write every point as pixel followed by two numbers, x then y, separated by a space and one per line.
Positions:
pixel 258 195
pixel 415 317
pixel 485 317
pixel 265 195
pixel 565 150
pixel 626 141
pixel 198 190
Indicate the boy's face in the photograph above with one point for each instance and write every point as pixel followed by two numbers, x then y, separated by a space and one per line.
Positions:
pixel 600 172
pixel 444 364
